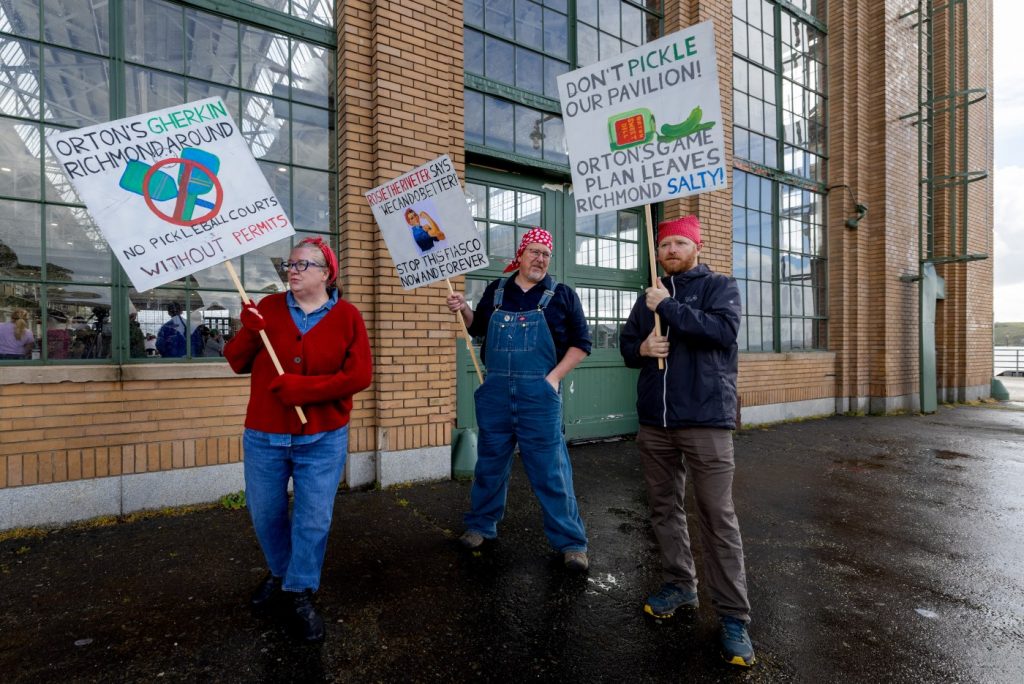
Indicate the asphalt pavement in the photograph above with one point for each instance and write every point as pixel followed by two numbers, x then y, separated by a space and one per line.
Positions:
pixel 878 549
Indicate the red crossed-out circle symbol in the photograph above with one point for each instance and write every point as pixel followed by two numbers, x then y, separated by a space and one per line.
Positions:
pixel 189 168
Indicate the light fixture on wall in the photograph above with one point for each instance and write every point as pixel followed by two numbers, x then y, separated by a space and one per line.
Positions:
pixel 852 222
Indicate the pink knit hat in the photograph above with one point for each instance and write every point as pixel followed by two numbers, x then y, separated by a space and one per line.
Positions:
pixel 687 226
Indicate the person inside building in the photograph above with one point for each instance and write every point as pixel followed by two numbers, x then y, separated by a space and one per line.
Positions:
pixel 322 344
pixel 16 338
pixel 214 344
pixel 687 412
pixel 170 339
pixel 535 333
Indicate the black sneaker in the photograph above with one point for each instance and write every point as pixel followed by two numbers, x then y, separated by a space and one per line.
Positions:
pixel 308 623
pixel 266 593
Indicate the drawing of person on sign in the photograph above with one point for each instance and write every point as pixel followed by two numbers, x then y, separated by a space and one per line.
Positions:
pixel 425 231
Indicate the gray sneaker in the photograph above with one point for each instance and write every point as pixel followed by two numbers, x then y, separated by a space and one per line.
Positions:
pixel 471 539
pixel 576 561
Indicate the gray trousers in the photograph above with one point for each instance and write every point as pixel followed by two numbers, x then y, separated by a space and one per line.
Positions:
pixel 707 454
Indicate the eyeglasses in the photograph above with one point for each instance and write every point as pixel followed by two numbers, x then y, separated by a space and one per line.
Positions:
pixel 538 254
pixel 299 265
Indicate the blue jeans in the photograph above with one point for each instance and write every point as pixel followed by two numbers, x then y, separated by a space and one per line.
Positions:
pixel 513 409
pixel 294 547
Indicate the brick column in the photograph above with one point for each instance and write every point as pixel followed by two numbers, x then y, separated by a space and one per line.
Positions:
pixel 400 105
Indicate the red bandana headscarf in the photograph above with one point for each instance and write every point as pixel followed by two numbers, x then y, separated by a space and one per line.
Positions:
pixel 330 260
pixel 538 235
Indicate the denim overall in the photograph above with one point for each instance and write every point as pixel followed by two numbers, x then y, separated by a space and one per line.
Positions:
pixel 516 404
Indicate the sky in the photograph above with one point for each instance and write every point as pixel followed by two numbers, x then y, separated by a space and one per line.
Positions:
pixel 1008 244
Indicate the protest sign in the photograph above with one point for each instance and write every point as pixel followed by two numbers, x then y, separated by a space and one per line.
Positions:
pixel 646 125
pixel 173 191
pixel 426 224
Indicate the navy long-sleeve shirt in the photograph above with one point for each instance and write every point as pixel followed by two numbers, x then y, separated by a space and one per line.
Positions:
pixel 564 314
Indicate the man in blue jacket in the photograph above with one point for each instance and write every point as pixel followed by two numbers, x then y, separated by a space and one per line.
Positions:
pixel 687 413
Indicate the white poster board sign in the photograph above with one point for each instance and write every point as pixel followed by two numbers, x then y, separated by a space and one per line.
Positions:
pixel 645 126
pixel 173 191
pixel 426 224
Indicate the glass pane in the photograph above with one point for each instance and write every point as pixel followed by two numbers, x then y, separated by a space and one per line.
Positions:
pixel 19 78
pixel 211 48
pixel 607 224
pixel 501 240
pixel 87 313
pixel 20 240
pixel 20 328
pixel 529 71
pixel 609 45
pixel 155 35
pixel 554 140
pixel 79 25
pixel 200 90
pixel 311 139
pixel 261 268
pixel 586 10
pixel 473 12
pixel 629 226
pixel 498 119
pixel 498 17
pixel 20 17
pixel 632 24
pixel 528 208
pixel 586 225
pixel 312 74
pixel 315 11
pixel 586 45
pixel 499 61
pixel 75 248
pixel 311 210
pixel 476 198
pixel 279 178
pixel 264 61
pixel 265 126
pixel 474 59
pixel 608 16
pixel 502 204
pixel 528 24
pixel 556 31
pixel 606 257
pixel 586 252
pixel 57 187
pixel 147 90
pixel 529 131
pixel 628 256
pixel 77 88
pixel 552 70
pixel 474 118
pixel 19 159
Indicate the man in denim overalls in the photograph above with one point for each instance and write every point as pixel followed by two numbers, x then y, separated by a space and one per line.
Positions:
pixel 535 334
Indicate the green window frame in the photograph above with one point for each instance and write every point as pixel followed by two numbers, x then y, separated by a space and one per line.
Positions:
pixel 68 65
pixel 779 130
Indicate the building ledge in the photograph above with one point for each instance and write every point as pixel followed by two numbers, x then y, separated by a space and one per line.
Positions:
pixel 48 375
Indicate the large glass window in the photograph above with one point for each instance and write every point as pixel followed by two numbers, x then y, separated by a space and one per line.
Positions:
pixel 515 50
pixel 57 72
pixel 779 251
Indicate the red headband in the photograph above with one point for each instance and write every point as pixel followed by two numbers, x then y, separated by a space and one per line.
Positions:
pixel 332 261
pixel 538 235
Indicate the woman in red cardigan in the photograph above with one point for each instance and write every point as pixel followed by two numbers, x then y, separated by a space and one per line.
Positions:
pixel 321 342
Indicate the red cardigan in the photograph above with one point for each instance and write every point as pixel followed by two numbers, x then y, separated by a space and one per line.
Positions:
pixel 323 368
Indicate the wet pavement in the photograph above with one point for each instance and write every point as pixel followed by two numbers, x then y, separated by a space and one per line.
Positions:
pixel 879 549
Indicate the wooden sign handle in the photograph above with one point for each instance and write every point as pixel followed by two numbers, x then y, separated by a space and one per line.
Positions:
pixel 654 270
pixel 263 333
pixel 468 338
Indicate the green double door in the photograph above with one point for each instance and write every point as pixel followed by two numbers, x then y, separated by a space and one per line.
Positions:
pixel 602 258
